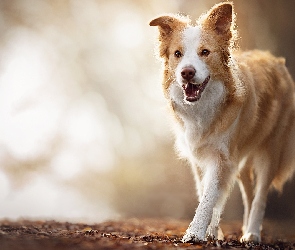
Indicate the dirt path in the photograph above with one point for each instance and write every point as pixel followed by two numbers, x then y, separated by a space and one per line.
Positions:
pixel 127 234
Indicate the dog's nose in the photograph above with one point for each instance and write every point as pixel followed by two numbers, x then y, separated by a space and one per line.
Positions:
pixel 188 73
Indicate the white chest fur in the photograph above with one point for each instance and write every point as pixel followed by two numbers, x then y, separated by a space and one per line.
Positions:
pixel 197 116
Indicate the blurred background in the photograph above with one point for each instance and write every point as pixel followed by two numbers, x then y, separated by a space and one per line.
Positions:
pixel 85 134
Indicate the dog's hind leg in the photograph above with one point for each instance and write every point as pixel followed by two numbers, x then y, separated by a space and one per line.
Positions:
pixel 264 178
pixel 247 189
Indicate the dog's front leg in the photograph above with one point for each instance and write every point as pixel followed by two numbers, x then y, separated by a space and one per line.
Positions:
pixel 214 231
pixel 198 227
pixel 217 182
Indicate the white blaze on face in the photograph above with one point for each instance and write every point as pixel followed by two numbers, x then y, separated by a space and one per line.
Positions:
pixel 191 43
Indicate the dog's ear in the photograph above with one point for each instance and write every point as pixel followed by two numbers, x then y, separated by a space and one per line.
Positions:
pixel 220 18
pixel 167 24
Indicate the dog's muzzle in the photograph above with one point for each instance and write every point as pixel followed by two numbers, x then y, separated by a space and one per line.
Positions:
pixel 192 90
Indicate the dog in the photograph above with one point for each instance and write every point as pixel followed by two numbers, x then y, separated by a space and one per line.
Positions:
pixel 234 115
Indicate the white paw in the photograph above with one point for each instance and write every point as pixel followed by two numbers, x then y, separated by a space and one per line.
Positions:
pixel 214 233
pixel 190 237
pixel 195 233
pixel 251 237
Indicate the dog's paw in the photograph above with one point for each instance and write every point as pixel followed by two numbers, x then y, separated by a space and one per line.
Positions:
pixel 190 238
pixel 214 233
pixel 250 238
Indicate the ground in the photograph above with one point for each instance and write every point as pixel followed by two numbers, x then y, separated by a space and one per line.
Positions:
pixel 127 234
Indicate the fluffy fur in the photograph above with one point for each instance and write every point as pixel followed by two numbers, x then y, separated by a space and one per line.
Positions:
pixel 234 116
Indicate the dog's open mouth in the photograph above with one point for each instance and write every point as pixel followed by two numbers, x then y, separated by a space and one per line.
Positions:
pixel 194 91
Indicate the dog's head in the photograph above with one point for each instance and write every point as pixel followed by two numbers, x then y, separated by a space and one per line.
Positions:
pixel 195 55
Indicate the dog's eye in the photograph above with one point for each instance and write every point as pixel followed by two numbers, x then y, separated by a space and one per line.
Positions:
pixel 205 52
pixel 177 54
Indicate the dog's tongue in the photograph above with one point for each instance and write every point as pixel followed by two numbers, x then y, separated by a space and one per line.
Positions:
pixel 191 90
